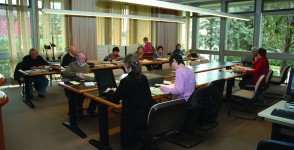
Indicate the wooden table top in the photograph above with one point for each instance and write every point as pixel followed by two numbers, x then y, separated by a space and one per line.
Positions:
pixel 81 88
pixel 38 73
pixel 2 79
pixel 94 96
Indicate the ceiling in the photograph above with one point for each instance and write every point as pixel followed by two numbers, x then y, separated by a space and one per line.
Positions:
pixel 193 2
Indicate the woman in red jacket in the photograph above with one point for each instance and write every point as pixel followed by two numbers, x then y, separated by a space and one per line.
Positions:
pixel 261 68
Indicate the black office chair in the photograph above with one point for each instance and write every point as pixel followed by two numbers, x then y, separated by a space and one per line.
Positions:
pixel 19 77
pixel 274 145
pixel 277 80
pixel 165 120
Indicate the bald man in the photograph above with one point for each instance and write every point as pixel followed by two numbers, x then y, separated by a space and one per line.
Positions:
pixel 69 57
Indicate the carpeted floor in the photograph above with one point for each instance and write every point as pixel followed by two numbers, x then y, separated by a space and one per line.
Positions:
pixel 41 128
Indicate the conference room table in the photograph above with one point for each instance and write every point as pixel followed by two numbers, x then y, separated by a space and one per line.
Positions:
pixel 120 65
pixel 75 91
pixel 202 80
pixel 29 74
pixel 170 73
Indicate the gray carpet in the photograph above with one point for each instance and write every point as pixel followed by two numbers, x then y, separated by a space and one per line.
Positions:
pixel 41 128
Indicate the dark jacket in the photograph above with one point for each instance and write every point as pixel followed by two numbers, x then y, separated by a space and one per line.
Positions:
pixel 67 59
pixel 28 62
pixel 136 101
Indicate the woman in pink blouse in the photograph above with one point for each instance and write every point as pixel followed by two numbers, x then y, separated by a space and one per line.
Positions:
pixel 185 78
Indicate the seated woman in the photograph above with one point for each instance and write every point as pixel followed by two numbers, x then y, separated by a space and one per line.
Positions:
pixel 136 99
pixel 139 53
pixel 158 54
pixel 114 55
pixel 185 79
pixel 261 67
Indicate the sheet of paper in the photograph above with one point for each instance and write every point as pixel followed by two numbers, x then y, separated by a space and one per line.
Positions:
pixel 89 75
pixel 74 82
pixel 156 91
pixel 89 84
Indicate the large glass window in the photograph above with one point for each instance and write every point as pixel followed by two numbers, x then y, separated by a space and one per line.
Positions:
pixel 209 33
pixel 276 5
pixel 278 33
pixel 245 6
pixel 240 34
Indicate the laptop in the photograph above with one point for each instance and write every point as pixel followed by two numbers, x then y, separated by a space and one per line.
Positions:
pixel 105 79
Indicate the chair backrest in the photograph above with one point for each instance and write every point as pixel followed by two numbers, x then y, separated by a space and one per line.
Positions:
pixel 219 84
pixel 117 72
pixel 165 117
pixel 17 75
pixel 275 145
pixel 195 62
pixel 165 66
pixel 144 68
pixel 258 86
pixel 268 79
pixel 284 73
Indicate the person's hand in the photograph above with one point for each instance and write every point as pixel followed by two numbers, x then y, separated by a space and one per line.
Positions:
pixel 80 75
pixel 34 67
pixel 243 70
pixel 161 88
pixel 255 59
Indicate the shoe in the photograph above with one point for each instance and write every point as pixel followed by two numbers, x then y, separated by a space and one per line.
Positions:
pixel 41 95
pixel 92 113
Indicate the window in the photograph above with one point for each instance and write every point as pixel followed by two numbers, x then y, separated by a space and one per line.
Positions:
pixel 13 2
pixel 240 34
pixel 245 6
pixel 276 5
pixel 278 33
pixel 209 33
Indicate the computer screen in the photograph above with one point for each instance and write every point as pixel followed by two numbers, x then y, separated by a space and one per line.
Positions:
pixel 105 79
pixel 290 88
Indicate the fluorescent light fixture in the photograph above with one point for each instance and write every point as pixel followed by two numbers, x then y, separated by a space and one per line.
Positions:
pixel 108 15
pixel 180 7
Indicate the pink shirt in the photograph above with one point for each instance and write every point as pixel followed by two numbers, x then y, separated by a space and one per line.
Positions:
pixel 184 84
pixel 148 47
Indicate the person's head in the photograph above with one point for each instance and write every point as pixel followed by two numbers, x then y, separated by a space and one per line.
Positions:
pixel 140 50
pixel 73 50
pixel 261 52
pixel 159 49
pixel 178 46
pixel 115 51
pixel 81 57
pixel 254 51
pixel 33 53
pixel 175 60
pixel 132 63
pixel 145 40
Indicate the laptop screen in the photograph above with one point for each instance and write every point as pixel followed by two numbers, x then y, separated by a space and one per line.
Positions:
pixel 105 79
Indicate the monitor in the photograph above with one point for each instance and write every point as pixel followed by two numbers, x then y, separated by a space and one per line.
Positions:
pixel 105 79
pixel 290 88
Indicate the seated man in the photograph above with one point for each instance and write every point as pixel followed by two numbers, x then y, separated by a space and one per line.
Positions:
pixel 261 68
pixel 113 56
pixel 158 54
pixel 178 50
pixel 69 57
pixel 34 61
pixel 75 71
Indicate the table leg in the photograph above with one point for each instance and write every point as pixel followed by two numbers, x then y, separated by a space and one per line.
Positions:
pixel 230 84
pixel 27 99
pixel 103 129
pixel 73 122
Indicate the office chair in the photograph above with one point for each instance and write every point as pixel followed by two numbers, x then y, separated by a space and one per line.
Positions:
pixel 117 72
pixel 246 96
pixel 195 63
pixel 165 120
pixel 274 145
pixel 277 80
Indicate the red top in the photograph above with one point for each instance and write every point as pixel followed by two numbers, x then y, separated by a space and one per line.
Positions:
pixel 261 68
pixel 148 47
